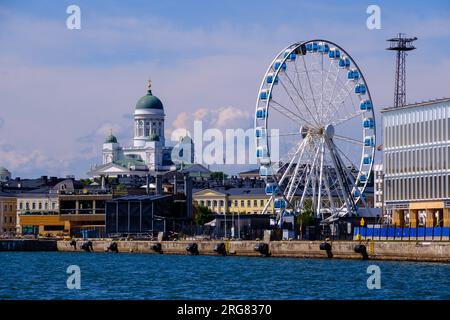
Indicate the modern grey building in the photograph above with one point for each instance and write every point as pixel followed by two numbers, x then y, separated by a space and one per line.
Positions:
pixel 416 145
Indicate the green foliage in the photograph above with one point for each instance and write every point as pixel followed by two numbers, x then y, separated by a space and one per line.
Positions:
pixel 218 176
pixel 85 182
pixel 202 215
pixel 121 187
pixel 307 215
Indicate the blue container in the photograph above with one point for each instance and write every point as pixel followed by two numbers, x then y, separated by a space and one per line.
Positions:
pixel 270 79
pixel 279 204
pixel 367 160
pixel 261 113
pixel 365 105
pixel 368 123
pixel 278 64
pixel 369 142
pixel 360 89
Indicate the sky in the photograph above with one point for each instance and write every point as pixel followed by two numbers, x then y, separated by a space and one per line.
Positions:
pixel 61 90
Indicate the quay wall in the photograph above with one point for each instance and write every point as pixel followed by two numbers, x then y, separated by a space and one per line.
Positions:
pixel 27 245
pixel 376 250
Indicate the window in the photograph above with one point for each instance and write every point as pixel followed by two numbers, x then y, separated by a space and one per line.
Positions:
pixel 215 203
pixel 229 203
pixel 53 205
pixel 261 203
pixel 221 203
pixel 249 203
pixel 34 206
pixel 202 203
pixel 255 203
pixel 236 203
pixel 208 203
pixel 27 206
pixel 20 205
pixel 40 206
pixel 242 203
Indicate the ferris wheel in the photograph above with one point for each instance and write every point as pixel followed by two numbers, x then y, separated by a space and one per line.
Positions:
pixel 315 132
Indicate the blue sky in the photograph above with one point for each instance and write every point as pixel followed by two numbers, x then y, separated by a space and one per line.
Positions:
pixel 61 91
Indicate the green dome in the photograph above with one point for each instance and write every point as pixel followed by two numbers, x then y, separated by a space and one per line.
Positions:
pixel 149 101
pixel 111 139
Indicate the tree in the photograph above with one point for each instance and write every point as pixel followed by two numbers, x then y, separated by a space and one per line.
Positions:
pixel 218 176
pixel 306 216
pixel 85 182
pixel 121 187
pixel 202 215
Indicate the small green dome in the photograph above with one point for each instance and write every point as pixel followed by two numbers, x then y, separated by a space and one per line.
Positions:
pixel 111 139
pixel 149 101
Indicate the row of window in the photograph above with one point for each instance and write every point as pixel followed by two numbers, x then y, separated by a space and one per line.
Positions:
pixel 11 219
pixel 417 188
pixel 415 130
pixel 37 205
pixel 6 207
pixel 230 203
pixel 145 129
pixel 418 160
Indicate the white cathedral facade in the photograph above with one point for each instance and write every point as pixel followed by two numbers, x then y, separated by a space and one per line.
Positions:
pixel 148 152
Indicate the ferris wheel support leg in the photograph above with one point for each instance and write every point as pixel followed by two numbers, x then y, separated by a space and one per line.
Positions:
pixel 319 198
pixel 337 162
pixel 267 205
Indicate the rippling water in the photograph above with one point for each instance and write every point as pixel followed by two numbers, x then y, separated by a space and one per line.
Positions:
pixel 42 275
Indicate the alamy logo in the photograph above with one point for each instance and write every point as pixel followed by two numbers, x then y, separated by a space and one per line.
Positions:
pixel 374 281
pixel 374 20
pixel 73 22
pixel 74 279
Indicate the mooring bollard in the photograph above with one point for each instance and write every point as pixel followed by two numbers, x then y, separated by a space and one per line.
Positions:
pixel 360 248
pixel 262 248
pixel 192 248
pixel 327 248
pixel 113 247
pixel 157 247
pixel 220 248
pixel 87 246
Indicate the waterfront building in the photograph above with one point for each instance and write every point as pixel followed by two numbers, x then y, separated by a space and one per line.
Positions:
pixel 149 152
pixel 7 213
pixel 233 200
pixel 378 185
pixel 249 200
pixel 5 175
pixel 416 156
pixel 77 206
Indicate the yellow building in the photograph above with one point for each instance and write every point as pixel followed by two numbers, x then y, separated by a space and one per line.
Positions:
pixel 234 200
pixel 8 203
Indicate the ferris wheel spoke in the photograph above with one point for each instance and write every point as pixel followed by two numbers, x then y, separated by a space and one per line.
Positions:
pixel 284 134
pixel 335 81
pixel 309 81
pixel 347 139
pixel 350 117
pixel 341 97
pixel 291 113
pixel 323 90
pixel 292 99
pixel 301 98
pixel 346 157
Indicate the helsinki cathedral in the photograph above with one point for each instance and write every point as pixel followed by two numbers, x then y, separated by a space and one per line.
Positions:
pixel 148 152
